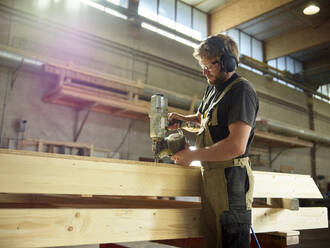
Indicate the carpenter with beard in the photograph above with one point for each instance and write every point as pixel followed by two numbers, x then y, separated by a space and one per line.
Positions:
pixel 227 116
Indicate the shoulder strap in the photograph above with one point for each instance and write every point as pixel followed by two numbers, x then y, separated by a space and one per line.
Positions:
pixel 205 121
pixel 237 80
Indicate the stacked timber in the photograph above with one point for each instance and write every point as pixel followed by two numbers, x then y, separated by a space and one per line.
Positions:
pixel 62 200
pixel 81 87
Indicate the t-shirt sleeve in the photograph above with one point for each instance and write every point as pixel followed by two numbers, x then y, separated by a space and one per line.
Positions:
pixel 243 106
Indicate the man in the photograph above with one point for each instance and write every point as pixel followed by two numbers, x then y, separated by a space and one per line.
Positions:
pixel 227 117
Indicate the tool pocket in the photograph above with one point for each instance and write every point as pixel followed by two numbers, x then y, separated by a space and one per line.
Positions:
pixel 236 229
pixel 237 186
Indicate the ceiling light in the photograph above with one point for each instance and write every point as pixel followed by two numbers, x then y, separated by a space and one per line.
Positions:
pixel 311 10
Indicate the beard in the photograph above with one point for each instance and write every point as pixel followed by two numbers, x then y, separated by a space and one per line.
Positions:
pixel 219 79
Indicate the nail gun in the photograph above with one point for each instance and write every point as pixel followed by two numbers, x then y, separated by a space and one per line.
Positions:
pixel 163 146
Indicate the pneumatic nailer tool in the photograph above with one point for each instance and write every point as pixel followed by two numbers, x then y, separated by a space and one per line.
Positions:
pixel 163 146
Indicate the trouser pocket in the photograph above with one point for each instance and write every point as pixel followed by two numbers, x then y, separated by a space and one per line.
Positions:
pixel 235 227
pixel 237 186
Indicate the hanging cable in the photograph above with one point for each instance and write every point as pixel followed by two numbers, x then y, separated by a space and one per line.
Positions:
pixel 255 237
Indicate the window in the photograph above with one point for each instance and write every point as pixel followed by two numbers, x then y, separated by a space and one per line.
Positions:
pixel 199 25
pixel 166 13
pixel 148 9
pixel 175 15
pixel 245 44
pixel 289 65
pixel 101 7
pixel 257 50
pixel 325 90
pixel 234 34
pixel 122 3
pixel 183 19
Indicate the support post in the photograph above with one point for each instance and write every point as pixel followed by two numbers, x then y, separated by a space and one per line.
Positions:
pixel 310 106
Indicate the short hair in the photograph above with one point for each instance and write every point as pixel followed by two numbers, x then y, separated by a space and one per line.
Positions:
pixel 209 49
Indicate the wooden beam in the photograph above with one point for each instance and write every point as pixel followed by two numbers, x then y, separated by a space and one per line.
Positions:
pixel 108 102
pixel 118 103
pixel 278 219
pixel 290 237
pixel 295 41
pixel 282 185
pixel 44 173
pixel 277 239
pixel 62 174
pixel 65 227
pixel 59 227
pixel 94 77
pixel 237 12
pixel 100 109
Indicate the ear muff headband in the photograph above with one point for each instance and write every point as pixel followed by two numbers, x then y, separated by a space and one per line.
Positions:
pixel 228 62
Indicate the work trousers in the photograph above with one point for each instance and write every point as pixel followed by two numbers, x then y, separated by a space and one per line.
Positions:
pixel 226 204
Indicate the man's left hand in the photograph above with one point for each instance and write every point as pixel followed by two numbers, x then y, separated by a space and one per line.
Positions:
pixel 183 157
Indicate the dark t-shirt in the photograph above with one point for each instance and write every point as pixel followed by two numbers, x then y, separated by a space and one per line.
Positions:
pixel 240 103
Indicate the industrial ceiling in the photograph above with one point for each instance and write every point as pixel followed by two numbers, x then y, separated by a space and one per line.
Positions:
pixel 282 27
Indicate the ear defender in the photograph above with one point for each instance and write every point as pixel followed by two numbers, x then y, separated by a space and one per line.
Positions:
pixel 227 61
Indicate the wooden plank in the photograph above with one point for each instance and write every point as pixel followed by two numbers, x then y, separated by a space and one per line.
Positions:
pixel 274 220
pixel 96 92
pixel 59 227
pixel 33 172
pixel 68 175
pixel 95 77
pixel 119 103
pixel 282 185
pixel 99 108
pixel 271 240
pixel 288 237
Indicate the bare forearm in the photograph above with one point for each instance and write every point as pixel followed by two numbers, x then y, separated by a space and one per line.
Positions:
pixel 188 118
pixel 220 151
pixel 231 147
pixel 192 118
